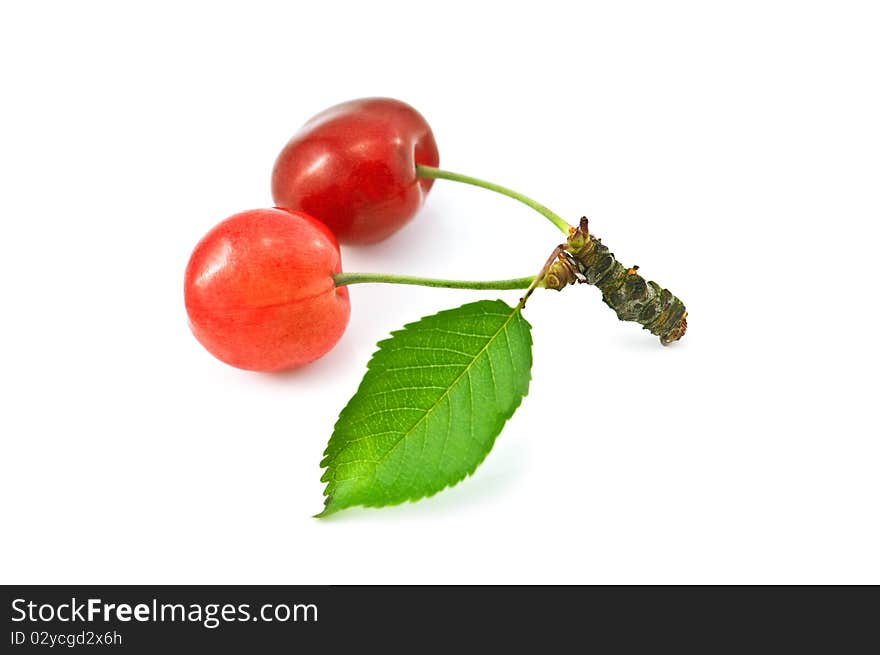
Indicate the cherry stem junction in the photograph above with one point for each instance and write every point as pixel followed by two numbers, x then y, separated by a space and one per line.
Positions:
pixel 437 173
pixel 345 279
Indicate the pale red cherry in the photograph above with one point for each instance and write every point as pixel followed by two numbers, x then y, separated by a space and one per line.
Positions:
pixel 259 290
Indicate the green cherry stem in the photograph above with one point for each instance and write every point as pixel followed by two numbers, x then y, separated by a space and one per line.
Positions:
pixel 530 282
pixel 437 173
pixel 345 279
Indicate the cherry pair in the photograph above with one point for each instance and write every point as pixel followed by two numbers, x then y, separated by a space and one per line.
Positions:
pixel 259 288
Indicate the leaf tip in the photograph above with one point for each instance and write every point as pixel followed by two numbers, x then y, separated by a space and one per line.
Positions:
pixel 329 508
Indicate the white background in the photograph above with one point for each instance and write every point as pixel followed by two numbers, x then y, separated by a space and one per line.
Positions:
pixel 730 149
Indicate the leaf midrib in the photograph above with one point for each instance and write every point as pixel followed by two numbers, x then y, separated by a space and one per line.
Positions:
pixel 451 386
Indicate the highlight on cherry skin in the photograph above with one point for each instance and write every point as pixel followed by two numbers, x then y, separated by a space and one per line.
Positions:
pixel 259 290
pixel 353 167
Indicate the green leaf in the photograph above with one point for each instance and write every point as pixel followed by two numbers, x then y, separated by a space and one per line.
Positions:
pixel 433 400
